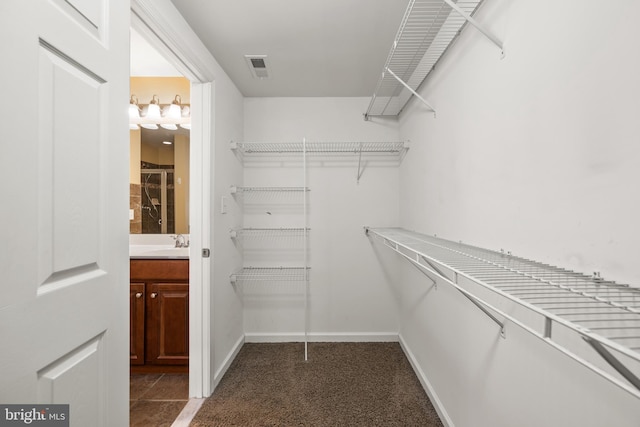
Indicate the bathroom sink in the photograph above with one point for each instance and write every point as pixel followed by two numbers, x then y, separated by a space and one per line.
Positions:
pixel 157 252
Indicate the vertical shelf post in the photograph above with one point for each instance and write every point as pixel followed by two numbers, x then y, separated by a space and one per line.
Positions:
pixel 306 272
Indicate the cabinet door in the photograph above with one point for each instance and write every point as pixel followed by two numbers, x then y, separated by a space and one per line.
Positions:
pixel 167 324
pixel 136 323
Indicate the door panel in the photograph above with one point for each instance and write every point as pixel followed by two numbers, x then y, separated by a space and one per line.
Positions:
pixel 71 380
pixel 64 262
pixel 69 165
pixel 86 13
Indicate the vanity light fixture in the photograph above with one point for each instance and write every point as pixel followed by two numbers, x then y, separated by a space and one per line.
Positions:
pixel 134 112
pixel 173 112
pixel 152 113
pixel 186 113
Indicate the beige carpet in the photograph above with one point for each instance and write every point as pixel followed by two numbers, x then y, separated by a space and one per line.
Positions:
pixel 342 384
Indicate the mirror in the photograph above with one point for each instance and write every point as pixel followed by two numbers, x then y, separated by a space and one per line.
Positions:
pixel 160 197
pixel 159 163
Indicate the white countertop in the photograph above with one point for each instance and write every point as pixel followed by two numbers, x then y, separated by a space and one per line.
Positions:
pixel 157 252
pixel 156 246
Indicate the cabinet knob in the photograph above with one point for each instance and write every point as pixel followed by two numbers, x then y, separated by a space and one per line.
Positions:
pixel 139 295
pixel 154 294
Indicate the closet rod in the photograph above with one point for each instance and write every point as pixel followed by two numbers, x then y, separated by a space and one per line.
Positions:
pixel 235 233
pixel 319 147
pixel 416 247
pixel 235 189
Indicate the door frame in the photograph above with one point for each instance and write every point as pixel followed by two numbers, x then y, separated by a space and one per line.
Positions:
pixel 162 26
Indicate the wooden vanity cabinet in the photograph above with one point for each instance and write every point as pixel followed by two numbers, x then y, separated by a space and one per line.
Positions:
pixel 167 337
pixel 136 323
pixel 160 316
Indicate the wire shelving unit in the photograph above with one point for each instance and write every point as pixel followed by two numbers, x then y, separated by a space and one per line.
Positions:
pixel 268 232
pixel 365 151
pixel 241 190
pixel 318 147
pixel 426 31
pixel 604 314
pixel 271 274
pixel 299 272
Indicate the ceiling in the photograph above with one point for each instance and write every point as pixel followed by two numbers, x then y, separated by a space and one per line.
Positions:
pixel 315 47
pixel 146 61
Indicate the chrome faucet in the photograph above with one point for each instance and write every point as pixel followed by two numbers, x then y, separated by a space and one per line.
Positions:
pixel 180 242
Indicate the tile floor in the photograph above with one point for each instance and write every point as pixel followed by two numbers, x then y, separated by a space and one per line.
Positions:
pixel 157 399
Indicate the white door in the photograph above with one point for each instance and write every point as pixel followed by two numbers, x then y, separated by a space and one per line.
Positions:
pixel 63 207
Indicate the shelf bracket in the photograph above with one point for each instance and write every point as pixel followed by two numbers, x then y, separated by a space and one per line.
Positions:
pixel 417 267
pixel 436 269
pixel 614 362
pixel 431 268
pixel 469 297
pixel 478 26
pixel 410 89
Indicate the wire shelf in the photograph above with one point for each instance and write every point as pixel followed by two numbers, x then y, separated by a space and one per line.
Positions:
pixel 271 274
pixel 235 189
pixel 426 31
pixel 268 232
pixel 604 313
pixel 391 152
pixel 311 147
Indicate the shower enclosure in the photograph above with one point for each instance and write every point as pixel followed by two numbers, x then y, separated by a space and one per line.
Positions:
pixel 157 201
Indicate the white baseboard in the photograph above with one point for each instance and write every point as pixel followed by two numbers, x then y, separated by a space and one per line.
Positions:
pixel 323 337
pixel 188 412
pixel 428 388
pixel 227 362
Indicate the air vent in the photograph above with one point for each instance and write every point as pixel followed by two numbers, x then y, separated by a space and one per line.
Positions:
pixel 258 63
pixel 259 66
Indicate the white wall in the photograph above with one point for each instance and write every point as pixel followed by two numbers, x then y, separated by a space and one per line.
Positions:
pixel 536 153
pixel 350 297
pixel 226 302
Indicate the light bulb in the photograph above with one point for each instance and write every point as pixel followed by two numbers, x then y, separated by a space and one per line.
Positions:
pixel 153 112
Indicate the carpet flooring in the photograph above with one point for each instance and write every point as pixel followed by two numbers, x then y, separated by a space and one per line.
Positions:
pixel 342 384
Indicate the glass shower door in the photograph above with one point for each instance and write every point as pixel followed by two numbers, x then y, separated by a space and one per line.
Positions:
pixel 157 201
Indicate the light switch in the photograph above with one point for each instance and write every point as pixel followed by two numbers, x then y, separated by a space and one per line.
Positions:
pixel 223 204
pixel 130 214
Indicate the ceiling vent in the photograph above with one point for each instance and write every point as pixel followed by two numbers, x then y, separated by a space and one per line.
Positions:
pixel 259 66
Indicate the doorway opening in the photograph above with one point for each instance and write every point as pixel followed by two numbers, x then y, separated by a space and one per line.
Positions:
pixel 159 26
pixel 160 173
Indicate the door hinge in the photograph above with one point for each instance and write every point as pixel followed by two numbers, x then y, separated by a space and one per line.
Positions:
pixel 206 252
